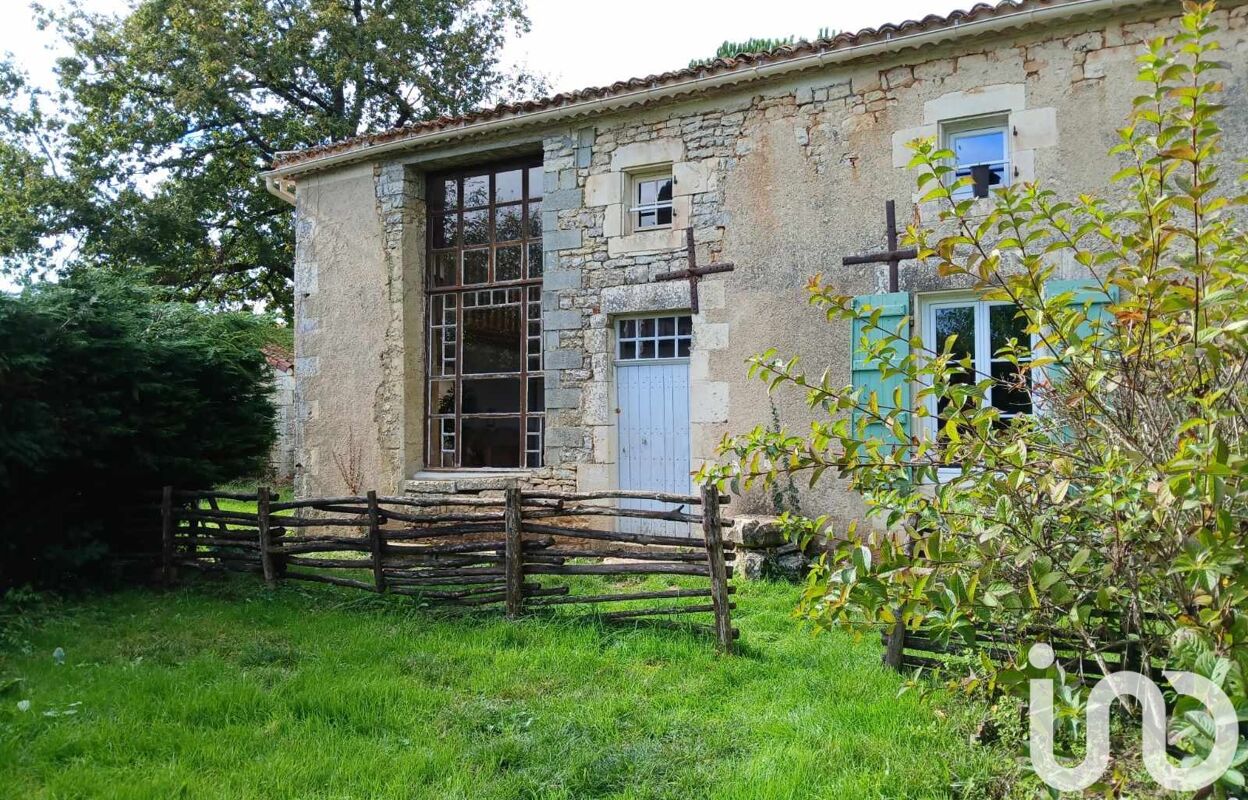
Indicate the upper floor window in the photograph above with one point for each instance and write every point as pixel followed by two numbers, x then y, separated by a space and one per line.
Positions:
pixel 652 200
pixel 981 153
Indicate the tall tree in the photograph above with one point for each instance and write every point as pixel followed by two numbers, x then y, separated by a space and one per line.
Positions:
pixel 174 108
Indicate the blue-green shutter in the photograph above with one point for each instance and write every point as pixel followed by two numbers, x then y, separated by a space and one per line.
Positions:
pixel 891 387
pixel 1085 292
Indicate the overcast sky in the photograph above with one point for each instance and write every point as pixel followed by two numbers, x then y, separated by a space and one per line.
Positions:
pixel 576 45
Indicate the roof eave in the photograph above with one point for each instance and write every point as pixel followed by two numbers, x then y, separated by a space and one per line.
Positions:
pixel 278 178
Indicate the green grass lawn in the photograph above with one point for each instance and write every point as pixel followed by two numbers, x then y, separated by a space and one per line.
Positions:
pixel 225 690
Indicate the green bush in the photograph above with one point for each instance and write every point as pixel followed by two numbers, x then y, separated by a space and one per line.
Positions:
pixel 108 392
pixel 1116 516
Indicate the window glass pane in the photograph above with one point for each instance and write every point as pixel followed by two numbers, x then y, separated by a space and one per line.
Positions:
pixel 507 186
pixel 507 263
pixel 507 223
pixel 663 216
pixel 444 265
pixel 647 219
pixel 667 348
pixel 491 396
pixel 535 221
pixel 977 148
pixel 490 441
pixel 667 326
pixel 1004 324
pixel 476 227
pixel 645 348
pixel 535 260
pixel 628 350
pixel 492 341
pixel 957 321
pixel 628 328
pixel 444 194
pixel 1011 394
pixel 537 395
pixel 476 266
pixel 442 397
pixel 686 326
pixel 665 190
pixel 476 190
pixel 535 181
pixel 646 326
pixel 443 229
pixel 682 348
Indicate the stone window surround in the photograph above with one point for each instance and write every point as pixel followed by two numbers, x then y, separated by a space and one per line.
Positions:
pixel 1029 129
pixel 613 191
pixel 708 399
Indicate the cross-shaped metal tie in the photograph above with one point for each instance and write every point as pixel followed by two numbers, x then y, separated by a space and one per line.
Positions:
pixel 693 271
pixel 892 256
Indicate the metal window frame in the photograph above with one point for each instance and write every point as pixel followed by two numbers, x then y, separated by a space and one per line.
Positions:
pixel 978 127
pixel 524 292
pixel 635 211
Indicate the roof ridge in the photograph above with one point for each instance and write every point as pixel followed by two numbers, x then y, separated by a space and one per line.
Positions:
pixel 717 66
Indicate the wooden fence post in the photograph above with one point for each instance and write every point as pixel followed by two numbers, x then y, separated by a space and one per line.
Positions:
pixel 712 530
pixel 374 542
pixel 166 535
pixel 514 552
pixel 895 647
pixel 262 516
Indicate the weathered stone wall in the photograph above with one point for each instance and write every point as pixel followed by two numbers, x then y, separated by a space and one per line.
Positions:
pixel 282 454
pixel 783 180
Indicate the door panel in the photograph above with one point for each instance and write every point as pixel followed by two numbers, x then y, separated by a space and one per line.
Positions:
pixel 653 402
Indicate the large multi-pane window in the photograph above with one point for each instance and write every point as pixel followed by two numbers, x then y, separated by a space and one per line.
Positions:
pixel 485 385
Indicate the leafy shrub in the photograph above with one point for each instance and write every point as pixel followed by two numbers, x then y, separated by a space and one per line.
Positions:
pixel 107 392
pixel 1117 515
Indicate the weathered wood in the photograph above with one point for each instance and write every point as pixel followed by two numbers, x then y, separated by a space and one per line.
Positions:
pixel 462 516
pixel 672 515
pixel 183 534
pixel 266 556
pixel 211 515
pixel 440 532
pixel 448 572
pixel 655 568
pixel 659 611
pixel 718 569
pixel 358 546
pixel 374 542
pixel 465 580
pixel 663 594
pixel 611 536
pixel 361 564
pixel 166 536
pixel 514 552
pixel 615 494
pixel 215 495
pixel 624 552
pixel 315 501
pixel 218 541
pixel 348 582
pixel 895 646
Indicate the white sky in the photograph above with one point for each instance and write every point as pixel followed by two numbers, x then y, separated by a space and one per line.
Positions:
pixel 576 46
pixel 573 43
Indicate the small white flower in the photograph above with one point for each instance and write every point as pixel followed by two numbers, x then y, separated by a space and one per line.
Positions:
pixel 23 705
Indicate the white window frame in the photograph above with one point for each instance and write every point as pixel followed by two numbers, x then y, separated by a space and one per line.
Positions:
pixel 636 208
pixel 957 129
pixel 983 357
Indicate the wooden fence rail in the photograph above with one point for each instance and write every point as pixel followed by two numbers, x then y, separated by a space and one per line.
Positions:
pixel 465 550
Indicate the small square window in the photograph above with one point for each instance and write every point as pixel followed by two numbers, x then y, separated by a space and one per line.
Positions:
pixel 983 155
pixel 651 200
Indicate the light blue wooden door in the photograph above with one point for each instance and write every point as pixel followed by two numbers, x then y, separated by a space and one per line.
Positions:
pixel 653 402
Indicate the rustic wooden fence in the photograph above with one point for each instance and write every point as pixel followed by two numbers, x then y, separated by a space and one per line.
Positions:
pixel 469 550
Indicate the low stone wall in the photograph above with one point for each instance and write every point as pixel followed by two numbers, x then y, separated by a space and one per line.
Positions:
pixel 763 551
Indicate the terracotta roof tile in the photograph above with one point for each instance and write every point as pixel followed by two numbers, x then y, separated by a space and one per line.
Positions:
pixel 720 65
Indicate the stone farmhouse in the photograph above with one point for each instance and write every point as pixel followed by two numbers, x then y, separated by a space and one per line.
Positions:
pixel 478 298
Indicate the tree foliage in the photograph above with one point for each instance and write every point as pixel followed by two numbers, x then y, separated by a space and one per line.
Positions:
pixel 172 110
pixel 107 391
pixel 1117 514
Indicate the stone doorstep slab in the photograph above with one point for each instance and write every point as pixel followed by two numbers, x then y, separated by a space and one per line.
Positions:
pixel 756 532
